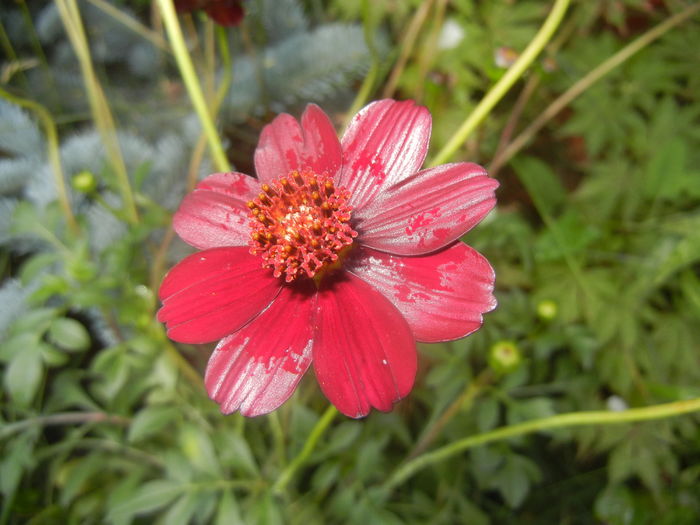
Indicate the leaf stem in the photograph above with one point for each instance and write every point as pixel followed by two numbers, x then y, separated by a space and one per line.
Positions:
pixel 573 419
pixel 194 88
pixel 587 81
pixel 497 92
pixel 64 418
pixel 53 153
pixel 70 15
pixel 300 459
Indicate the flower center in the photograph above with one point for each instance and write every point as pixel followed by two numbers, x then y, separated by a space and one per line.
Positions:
pixel 300 224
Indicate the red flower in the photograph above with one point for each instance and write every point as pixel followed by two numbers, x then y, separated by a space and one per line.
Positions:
pixel 341 254
pixel 223 12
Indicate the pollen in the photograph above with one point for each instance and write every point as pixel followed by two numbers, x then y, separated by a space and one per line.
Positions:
pixel 300 224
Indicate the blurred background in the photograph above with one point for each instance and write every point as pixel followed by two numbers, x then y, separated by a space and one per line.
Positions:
pixel 595 242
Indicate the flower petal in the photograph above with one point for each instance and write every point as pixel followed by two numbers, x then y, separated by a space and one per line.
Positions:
pixel 213 293
pixel 285 145
pixel 442 295
pixel 257 369
pixel 386 142
pixel 427 210
pixel 215 213
pixel 364 353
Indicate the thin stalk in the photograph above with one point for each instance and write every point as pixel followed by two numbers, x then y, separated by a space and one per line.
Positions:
pixel 70 15
pixel 498 91
pixel 183 364
pixel 300 459
pixel 189 76
pixel 588 80
pixel 53 153
pixel 407 43
pixel 363 94
pixel 575 419
pixel 429 49
pixel 131 23
pixel 464 401
pixel 513 118
pixel 65 418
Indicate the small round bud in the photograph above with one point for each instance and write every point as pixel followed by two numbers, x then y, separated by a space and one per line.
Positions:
pixel 504 357
pixel 84 182
pixel 547 310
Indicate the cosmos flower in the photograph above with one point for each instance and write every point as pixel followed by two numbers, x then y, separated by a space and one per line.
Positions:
pixel 341 254
pixel 223 12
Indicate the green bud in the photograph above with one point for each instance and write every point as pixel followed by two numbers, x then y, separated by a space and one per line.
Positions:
pixel 504 357
pixel 84 182
pixel 547 310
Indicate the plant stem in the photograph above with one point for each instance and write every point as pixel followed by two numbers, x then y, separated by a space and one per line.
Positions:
pixel 132 23
pixel 321 425
pixel 53 152
pixel 574 419
pixel 587 81
pixel 65 418
pixel 184 62
pixel 407 44
pixel 497 92
pixel 465 399
pixel 70 15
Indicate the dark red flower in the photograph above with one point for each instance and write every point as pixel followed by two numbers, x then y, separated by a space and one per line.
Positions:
pixel 223 12
pixel 341 254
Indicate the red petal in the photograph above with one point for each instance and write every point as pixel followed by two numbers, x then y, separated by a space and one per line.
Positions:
pixel 285 145
pixel 215 213
pixel 225 12
pixel 257 369
pixel 428 210
pixel 213 293
pixel 364 353
pixel 386 142
pixel 442 295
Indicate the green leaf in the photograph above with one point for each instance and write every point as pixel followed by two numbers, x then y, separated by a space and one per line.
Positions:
pixel 149 497
pixel 150 421
pixel 69 334
pixel 23 375
pixel 228 512
pixel 543 186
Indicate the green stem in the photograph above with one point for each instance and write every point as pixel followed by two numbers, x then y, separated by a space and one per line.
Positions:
pixel 66 418
pixel 53 152
pixel 574 419
pixel 505 83
pixel 70 15
pixel 587 81
pixel 132 23
pixel 300 459
pixel 184 62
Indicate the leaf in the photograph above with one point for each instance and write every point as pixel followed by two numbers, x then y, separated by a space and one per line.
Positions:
pixel 151 420
pixel 69 334
pixel 149 497
pixel 543 186
pixel 228 512
pixel 23 375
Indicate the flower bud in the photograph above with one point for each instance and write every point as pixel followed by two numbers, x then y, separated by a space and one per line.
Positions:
pixel 547 310
pixel 504 357
pixel 84 182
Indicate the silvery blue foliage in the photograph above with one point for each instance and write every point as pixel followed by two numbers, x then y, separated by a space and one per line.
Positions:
pixel 13 297
pixel 306 66
pixel 279 18
pixel 19 134
pixel 104 229
pixel 110 41
pixel 7 208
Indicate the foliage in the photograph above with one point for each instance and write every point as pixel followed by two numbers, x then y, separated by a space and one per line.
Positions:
pixel 595 242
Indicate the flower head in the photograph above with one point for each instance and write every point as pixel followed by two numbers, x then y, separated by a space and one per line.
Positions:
pixel 341 254
pixel 223 12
